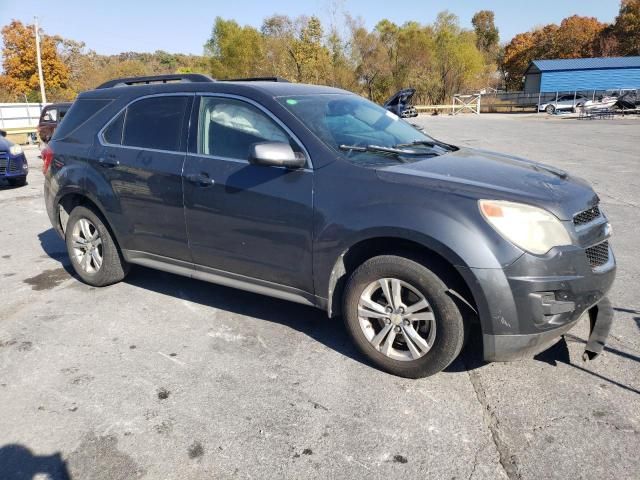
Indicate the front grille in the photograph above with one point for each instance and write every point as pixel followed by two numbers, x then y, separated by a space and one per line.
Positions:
pixel 4 163
pixel 598 255
pixel 586 216
pixel 14 167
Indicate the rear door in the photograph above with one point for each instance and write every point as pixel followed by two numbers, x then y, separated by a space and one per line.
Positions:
pixel 141 155
pixel 250 220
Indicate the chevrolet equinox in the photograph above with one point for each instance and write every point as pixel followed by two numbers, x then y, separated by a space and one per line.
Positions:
pixel 315 195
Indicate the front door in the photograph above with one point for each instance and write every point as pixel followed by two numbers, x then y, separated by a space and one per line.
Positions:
pixel 249 220
pixel 141 154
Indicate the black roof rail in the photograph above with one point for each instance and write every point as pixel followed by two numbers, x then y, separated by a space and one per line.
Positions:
pixel 257 79
pixel 178 77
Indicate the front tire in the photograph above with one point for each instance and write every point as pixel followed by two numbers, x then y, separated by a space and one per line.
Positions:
pixel 550 109
pixel 401 318
pixel 94 254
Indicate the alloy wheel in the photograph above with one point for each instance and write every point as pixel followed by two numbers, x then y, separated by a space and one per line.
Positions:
pixel 397 319
pixel 87 246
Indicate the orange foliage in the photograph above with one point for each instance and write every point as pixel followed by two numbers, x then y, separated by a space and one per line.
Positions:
pixel 19 62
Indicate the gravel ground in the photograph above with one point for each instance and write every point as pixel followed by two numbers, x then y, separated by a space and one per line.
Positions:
pixel 165 377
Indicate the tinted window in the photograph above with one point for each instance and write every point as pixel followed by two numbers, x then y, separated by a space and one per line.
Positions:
pixel 229 127
pixel 156 123
pixel 113 133
pixel 78 114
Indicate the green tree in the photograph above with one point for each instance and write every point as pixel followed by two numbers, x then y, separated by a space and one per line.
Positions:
pixel 459 63
pixel 487 34
pixel 234 51
pixel 370 59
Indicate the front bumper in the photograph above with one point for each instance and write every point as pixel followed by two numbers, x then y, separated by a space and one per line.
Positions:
pixel 505 348
pixel 12 167
pixel 530 304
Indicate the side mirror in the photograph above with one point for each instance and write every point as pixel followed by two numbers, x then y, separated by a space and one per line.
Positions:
pixel 3 133
pixel 275 154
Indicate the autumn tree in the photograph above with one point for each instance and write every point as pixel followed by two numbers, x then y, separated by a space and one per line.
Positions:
pixel 626 28
pixel 575 37
pixel 20 64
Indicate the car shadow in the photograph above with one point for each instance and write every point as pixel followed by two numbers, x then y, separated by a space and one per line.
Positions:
pixel 559 354
pixel 55 248
pixel 17 462
pixel 305 319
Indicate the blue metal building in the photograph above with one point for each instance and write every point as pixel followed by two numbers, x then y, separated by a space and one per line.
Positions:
pixel 582 74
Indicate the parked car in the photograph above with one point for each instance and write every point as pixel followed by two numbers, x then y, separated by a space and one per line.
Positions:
pixel 315 195
pixel 564 102
pixel 400 103
pixel 50 117
pixel 13 164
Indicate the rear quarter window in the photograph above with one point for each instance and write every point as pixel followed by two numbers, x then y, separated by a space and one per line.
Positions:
pixel 81 111
pixel 157 123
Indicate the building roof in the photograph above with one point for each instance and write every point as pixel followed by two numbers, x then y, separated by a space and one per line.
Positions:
pixel 583 64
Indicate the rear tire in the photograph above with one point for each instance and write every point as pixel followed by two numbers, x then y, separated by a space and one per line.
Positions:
pixel 94 254
pixel 372 307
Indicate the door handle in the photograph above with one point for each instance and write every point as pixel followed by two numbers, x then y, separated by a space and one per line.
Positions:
pixel 200 179
pixel 108 162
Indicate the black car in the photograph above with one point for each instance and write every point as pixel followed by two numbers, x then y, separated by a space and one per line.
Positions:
pixel 13 163
pixel 318 196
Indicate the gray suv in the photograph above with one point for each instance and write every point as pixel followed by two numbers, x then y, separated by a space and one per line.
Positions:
pixel 318 196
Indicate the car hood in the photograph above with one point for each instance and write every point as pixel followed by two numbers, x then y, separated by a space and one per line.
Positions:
pixel 490 175
pixel 403 96
pixel 4 144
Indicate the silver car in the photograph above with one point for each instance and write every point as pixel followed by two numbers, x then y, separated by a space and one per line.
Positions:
pixel 564 102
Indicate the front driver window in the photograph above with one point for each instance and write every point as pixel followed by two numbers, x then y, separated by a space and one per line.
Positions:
pixel 228 128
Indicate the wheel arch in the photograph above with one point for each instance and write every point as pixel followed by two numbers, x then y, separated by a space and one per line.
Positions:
pixel 73 198
pixel 433 255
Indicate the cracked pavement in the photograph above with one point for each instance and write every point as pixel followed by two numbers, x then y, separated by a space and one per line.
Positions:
pixel 166 377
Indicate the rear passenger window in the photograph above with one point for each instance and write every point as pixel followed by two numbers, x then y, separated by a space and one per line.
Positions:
pixel 157 123
pixel 113 133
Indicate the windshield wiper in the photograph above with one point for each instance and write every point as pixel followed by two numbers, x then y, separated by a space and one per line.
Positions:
pixel 427 143
pixel 397 152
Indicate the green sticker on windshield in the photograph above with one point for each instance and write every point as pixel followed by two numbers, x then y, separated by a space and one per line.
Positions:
pixel 291 101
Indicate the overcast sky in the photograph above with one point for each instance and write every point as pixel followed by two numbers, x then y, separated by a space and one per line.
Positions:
pixel 113 26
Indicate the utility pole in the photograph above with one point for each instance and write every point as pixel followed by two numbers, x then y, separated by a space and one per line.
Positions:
pixel 43 95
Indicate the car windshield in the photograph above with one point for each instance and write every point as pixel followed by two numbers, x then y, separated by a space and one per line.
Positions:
pixel 363 131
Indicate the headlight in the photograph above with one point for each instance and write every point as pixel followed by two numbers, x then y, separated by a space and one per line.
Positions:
pixel 530 228
pixel 15 149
